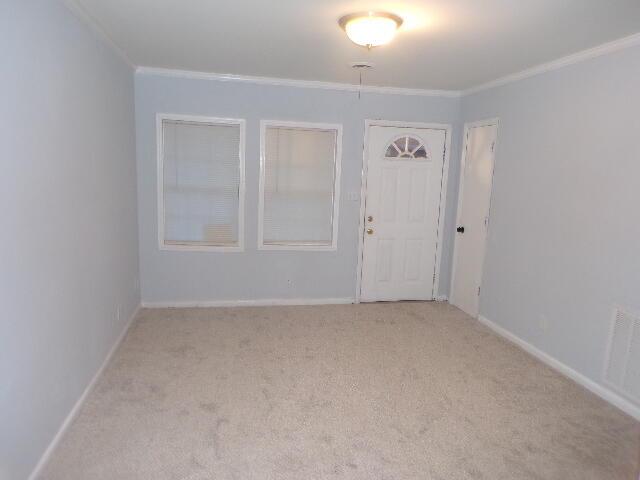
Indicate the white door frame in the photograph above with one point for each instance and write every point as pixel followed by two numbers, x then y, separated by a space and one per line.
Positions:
pixel 463 161
pixel 363 191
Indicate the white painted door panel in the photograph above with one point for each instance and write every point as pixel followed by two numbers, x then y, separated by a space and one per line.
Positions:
pixel 401 213
pixel 473 216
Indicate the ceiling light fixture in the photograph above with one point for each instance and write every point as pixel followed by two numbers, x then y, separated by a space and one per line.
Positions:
pixel 370 29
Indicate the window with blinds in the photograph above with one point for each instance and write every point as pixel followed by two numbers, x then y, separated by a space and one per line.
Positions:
pixel 201 183
pixel 299 186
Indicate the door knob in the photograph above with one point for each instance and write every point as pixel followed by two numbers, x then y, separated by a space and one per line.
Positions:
pixel 370 231
pixel 460 229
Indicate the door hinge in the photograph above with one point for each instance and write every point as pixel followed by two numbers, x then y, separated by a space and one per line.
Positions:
pixel 478 291
pixel 493 146
pixel 434 277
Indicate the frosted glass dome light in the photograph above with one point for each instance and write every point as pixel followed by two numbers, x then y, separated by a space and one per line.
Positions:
pixel 370 29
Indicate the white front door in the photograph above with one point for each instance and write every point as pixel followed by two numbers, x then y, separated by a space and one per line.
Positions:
pixel 474 199
pixel 402 208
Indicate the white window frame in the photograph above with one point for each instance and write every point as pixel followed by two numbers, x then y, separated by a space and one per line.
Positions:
pixel 264 124
pixel 160 118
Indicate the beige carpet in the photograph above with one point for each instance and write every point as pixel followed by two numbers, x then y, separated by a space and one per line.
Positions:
pixel 368 392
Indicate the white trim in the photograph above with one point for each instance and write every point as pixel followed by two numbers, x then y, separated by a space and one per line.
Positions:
pixel 603 49
pixel 363 192
pixel 160 117
pixel 610 47
pixel 463 161
pixel 287 82
pixel 82 15
pixel 363 206
pixel 442 209
pixel 402 124
pixel 264 124
pixel 483 123
pixel 78 405
pixel 265 302
pixel 603 392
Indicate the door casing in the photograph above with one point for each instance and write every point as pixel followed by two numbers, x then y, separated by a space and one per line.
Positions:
pixel 443 192
pixel 463 161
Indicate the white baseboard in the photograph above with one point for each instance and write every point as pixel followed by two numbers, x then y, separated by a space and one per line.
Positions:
pixel 603 392
pixel 76 408
pixel 248 303
pixel 442 298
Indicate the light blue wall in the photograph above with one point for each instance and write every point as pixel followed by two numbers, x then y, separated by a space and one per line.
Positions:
pixel 564 241
pixel 563 244
pixel 68 242
pixel 170 276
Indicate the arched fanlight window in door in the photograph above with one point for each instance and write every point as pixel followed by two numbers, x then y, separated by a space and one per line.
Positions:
pixel 407 147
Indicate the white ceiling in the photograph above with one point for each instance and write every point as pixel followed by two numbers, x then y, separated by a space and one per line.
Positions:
pixel 443 44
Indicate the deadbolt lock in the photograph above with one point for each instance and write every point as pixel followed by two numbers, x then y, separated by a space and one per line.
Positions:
pixel 370 218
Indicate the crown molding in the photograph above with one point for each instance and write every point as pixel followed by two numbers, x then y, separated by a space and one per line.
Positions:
pixel 609 47
pixel 605 48
pixel 286 82
pixel 93 24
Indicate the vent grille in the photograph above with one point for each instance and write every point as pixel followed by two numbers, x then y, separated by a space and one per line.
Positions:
pixel 623 360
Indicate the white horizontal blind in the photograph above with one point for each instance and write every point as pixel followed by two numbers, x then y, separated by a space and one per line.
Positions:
pixel 299 186
pixel 201 183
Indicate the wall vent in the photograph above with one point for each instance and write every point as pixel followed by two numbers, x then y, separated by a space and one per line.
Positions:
pixel 622 370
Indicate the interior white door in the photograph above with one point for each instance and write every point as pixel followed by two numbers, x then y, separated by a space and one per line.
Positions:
pixel 474 200
pixel 402 206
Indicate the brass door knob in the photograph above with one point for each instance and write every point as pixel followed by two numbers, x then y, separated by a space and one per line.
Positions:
pixel 370 231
